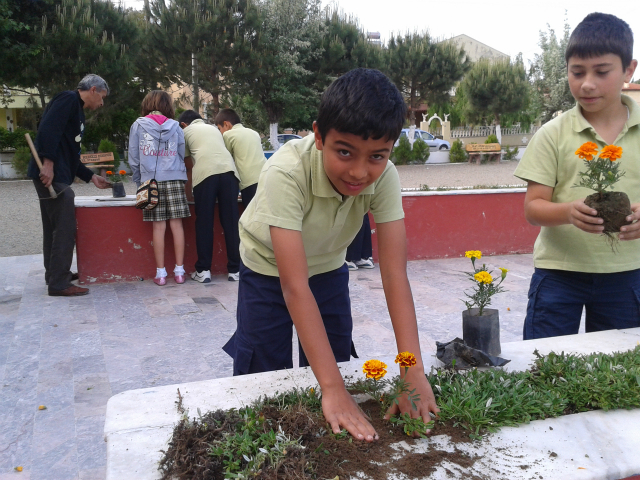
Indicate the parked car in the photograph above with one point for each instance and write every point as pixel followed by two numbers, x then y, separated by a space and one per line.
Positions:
pixel 432 141
pixel 285 137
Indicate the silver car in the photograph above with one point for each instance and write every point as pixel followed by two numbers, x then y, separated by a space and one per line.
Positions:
pixel 432 141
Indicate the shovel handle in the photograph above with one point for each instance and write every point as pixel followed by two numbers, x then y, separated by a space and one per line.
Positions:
pixel 34 152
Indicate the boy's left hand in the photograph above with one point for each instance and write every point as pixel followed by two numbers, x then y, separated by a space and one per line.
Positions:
pixel 415 378
pixel 632 232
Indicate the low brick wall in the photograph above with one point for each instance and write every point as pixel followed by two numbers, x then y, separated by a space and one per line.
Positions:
pixel 114 244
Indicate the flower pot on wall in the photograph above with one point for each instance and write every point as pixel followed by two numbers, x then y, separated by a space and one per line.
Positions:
pixel 118 190
pixel 482 332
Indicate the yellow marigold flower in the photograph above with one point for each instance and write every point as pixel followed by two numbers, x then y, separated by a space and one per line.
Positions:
pixel 18 469
pixel 612 152
pixel 42 407
pixel 406 359
pixel 473 254
pixel 122 172
pixel 374 369
pixel 587 151
pixel 504 272
pixel 483 277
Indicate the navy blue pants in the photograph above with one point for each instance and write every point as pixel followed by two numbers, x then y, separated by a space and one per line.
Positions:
pixel 247 194
pixel 223 188
pixel 360 247
pixel 262 341
pixel 557 297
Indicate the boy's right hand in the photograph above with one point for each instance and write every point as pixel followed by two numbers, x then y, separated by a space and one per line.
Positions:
pixel 341 411
pixel 584 217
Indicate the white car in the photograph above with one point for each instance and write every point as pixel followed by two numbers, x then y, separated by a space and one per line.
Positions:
pixel 432 141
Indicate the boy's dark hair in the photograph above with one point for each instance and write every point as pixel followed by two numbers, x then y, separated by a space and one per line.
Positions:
pixel 189 116
pixel 601 34
pixel 227 115
pixel 362 102
pixel 160 101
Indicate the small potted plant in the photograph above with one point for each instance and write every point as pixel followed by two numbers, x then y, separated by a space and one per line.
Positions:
pixel 117 184
pixel 480 325
pixel 601 175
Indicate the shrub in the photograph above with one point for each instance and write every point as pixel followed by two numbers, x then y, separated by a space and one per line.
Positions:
pixel 491 139
pixel 510 154
pixel 20 160
pixel 14 139
pixel 457 154
pixel 107 146
pixel 402 154
pixel 420 151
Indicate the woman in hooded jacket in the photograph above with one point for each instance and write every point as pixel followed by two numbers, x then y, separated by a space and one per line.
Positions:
pixel 156 150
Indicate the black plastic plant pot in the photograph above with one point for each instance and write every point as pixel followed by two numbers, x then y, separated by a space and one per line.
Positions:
pixel 118 190
pixel 482 333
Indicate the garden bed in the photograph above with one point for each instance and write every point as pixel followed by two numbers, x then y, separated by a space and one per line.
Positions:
pixel 285 436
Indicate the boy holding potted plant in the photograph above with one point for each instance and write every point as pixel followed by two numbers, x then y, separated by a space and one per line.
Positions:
pixel 573 267
pixel 309 205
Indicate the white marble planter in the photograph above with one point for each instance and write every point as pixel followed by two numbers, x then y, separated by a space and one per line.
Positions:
pixel 587 446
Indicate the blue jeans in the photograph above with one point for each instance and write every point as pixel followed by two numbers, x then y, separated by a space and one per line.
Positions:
pixel 262 340
pixel 557 297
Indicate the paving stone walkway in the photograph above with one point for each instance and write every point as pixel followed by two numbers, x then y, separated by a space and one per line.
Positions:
pixel 72 354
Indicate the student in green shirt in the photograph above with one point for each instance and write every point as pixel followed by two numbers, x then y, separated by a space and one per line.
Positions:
pixel 311 198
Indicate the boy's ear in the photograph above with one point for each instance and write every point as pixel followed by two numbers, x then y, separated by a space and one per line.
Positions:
pixel 317 136
pixel 630 70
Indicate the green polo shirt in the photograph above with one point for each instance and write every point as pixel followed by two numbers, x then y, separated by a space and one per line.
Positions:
pixel 204 143
pixel 246 148
pixel 550 159
pixel 295 193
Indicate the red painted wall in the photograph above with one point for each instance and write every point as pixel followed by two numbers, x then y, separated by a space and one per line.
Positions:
pixel 114 244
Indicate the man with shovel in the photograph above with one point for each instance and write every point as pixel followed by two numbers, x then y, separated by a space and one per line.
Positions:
pixel 58 146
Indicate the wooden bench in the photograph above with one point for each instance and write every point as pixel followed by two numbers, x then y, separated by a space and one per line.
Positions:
pixel 98 160
pixel 476 150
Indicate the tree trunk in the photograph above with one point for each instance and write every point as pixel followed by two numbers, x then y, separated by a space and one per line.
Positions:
pixel 194 83
pixel 42 96
pixel 273 135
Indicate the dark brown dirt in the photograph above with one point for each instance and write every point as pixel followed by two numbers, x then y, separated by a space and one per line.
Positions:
pixel 613 208
pixel 324 455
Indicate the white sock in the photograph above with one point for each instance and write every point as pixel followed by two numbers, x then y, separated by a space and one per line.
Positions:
pixel 161 272
pixel 179 270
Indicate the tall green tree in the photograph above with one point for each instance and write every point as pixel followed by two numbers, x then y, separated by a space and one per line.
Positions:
pixel 277 72
pixel 548 74
pixel 424 70
pixel 493 89
pixel 199 42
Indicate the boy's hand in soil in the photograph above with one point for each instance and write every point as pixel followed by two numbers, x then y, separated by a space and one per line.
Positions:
pixel 631 232
pixel 584 217
pixel 415 378
pixel 341 411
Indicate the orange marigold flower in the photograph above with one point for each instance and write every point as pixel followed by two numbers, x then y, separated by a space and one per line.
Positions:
pixel 109 172
pixel 374 369
pixel 612 152
pixel 122 172
pixel 587 151
pixel 406 359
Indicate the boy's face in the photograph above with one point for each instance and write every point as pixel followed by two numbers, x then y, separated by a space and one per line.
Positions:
pixel 596 83
pixel 351 162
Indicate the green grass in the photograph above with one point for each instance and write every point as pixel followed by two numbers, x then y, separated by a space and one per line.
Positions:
pixel 558 384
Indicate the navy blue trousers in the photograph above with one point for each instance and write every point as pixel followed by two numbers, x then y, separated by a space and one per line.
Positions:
pixel 247 194
pixel 360 247
pixel 263 337
pixel 557 297
pixel 223 188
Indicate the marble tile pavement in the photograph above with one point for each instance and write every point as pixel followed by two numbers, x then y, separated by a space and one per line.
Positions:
pixel 72 354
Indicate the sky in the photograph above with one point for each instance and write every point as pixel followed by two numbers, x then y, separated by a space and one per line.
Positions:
pixel 510 26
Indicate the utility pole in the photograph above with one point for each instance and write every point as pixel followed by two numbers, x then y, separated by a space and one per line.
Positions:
pixel 194 83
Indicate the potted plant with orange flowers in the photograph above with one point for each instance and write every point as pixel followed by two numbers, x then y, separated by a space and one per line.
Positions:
pixel 117 184
pixel 601 174
pixel 480 325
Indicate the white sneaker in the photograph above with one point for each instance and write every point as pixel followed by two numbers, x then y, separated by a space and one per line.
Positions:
pixel 202 277
pixel 352 266
pixel 365 263
pixel 233 277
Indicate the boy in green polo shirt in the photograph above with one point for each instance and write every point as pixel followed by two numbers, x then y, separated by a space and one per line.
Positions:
pixel 246 149
pixel 575 269
pixel 309 205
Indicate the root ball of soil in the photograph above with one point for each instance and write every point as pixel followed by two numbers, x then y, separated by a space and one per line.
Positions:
pixel 612 207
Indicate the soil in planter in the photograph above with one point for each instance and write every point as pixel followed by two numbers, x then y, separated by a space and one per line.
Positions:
pixel 613 208
pixel 325 456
